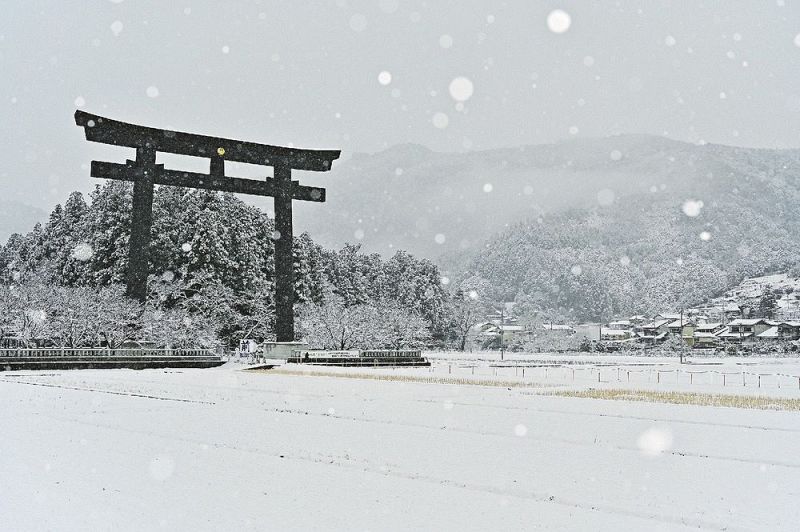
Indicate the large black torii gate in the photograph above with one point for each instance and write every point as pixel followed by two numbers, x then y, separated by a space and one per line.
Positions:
pixel 145 174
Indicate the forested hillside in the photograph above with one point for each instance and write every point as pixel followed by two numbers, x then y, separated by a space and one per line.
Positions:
pixel 518 223
pixel 212 269
pixel 644 254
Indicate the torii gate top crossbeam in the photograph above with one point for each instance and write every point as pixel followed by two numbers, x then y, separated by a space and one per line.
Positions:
pixel 145 174
pixel 108 131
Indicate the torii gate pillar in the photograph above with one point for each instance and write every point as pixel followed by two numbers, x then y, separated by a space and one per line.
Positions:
pixel 145 174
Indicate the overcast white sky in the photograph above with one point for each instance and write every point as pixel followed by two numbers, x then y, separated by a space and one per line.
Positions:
pixel 307 74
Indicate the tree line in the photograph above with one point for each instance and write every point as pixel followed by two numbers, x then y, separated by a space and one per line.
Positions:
pixel 211 280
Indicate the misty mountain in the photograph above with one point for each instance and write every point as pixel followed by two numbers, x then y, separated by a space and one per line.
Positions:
pixel 407 195
pixel 16 217
pixel 590 228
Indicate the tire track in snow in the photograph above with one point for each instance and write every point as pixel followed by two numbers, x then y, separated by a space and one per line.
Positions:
pixel 364 465
pixel 622 416
pixel 111 392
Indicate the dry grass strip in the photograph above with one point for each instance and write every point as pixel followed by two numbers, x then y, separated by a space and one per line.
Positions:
pixel 684 398
pixel 423 379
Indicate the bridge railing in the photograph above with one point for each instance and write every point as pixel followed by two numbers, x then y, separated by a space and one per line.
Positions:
pixel 49 352
pixel 390 353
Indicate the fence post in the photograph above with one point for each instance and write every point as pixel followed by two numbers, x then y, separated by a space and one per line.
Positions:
pixel 658 377
pixel 744 379
pixel 598 375
pixel 759 380
pixel 573 374
pixel 449 369
pixel 724 375
pixel 691 378
pixel 629 376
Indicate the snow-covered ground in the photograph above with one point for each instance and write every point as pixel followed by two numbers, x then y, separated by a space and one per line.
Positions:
pixel 223 449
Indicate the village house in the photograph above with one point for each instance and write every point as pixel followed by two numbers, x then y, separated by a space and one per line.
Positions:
pixel 555 328
pixel 789 330
pixel 655 331
pixel 706 335
pixel 617 330
pixel 747 330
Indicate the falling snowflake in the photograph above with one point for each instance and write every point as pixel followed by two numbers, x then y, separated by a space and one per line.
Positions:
pixel 446 41
pixel 167 276
pixel 37 315
pixel 558 21
pixel 358 234
pixel 116 27
pixel 488 187
pixel 520 430
pixel 82 252
pixel 439 238
pixel 440 120
pixel 576 270
pixel 473 294
pixel 615 155
pixel 186 247
pixel 669 40
pixel 226 49
pixel 385 77
pixel 654 441
pixel 461 89
pixel 152 91
pixel 625 260
pixel 79 101
pixel 358 22
pixel 276 235
pixel 445 281
pixel 588 61
pixel 692 208
pixel 705 236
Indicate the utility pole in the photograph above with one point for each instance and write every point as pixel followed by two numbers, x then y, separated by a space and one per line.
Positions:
pixel 502 322
pixel 680 335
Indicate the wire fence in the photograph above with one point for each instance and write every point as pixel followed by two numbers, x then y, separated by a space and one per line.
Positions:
pixel 605 374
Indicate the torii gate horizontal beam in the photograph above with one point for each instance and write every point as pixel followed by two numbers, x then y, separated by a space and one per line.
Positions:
pixel 108 131
pixel 145 174
pixel 180 178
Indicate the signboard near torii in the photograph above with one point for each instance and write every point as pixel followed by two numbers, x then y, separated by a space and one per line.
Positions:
pixel 145 174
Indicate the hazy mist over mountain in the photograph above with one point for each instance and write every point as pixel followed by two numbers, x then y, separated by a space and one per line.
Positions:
pixel 445 204
pixel 16 217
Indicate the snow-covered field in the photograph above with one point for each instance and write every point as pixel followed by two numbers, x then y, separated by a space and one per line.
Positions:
pixel 224 449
